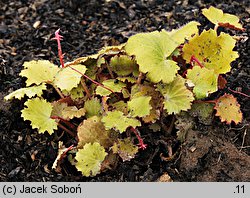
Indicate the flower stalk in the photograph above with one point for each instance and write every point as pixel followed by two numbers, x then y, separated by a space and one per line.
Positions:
pixel 58 38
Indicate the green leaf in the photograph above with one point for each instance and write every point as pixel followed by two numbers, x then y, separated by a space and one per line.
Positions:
pixel 176 96
pixel 151 51
pixel 28 91
pixel 38 72
pixel 111 84
pixel 125 149
pixel 139 106
pixel 121 106
pixel 90 158
pixel 117 120
pixel 75 93
pixel 123 65
pixel 111 50
pixel 67 78
pixel 38 111
pixel 204 112
pixel 214 52
pixel 217 17
pixel 205 81
pixel 93 130
pixel 155 102
pixel 93 107
pixel 185 32
pixel 127 78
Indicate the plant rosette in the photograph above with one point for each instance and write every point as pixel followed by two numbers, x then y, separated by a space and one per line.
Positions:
pixel 104 99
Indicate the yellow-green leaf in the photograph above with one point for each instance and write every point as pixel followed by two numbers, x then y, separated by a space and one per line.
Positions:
pixel 90 158
pixel 155 102
pixel 38 111
pixel 39 71
pixel 205 81
pixel 67 78
pixel 176 96
pixel 217 17
pixel 185 32
pixel 114 85
pixel 127 78
pixel 123 65
pixel 151 51
pixel 118 121
pixel 93 107
pixel 75 93
pixel 139 106
pixel 111 50
pixel 214 52
pixel 28 91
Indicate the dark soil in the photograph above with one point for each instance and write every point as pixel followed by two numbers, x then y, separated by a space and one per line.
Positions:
pixel 214 152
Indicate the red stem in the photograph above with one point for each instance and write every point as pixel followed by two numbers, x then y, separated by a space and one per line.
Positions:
pixel 58 38
pixel 208 101
pixel 194 59
pixel 141 143
pixel 93 81
pixel 67 130
pixel 64 121
pixel 237 92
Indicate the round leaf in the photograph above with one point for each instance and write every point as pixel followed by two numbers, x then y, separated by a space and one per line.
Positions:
pixel 139 106
pixel 228 109
pixel 111 84
pixel 214 52
pixel 205 81
pixel 116 120
pixel 90 158
pixel 176 96
pixel 39 71
pixel 217 17
pixel 67 78
pixel 151 51
pixel 38 111
pixel 28 91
